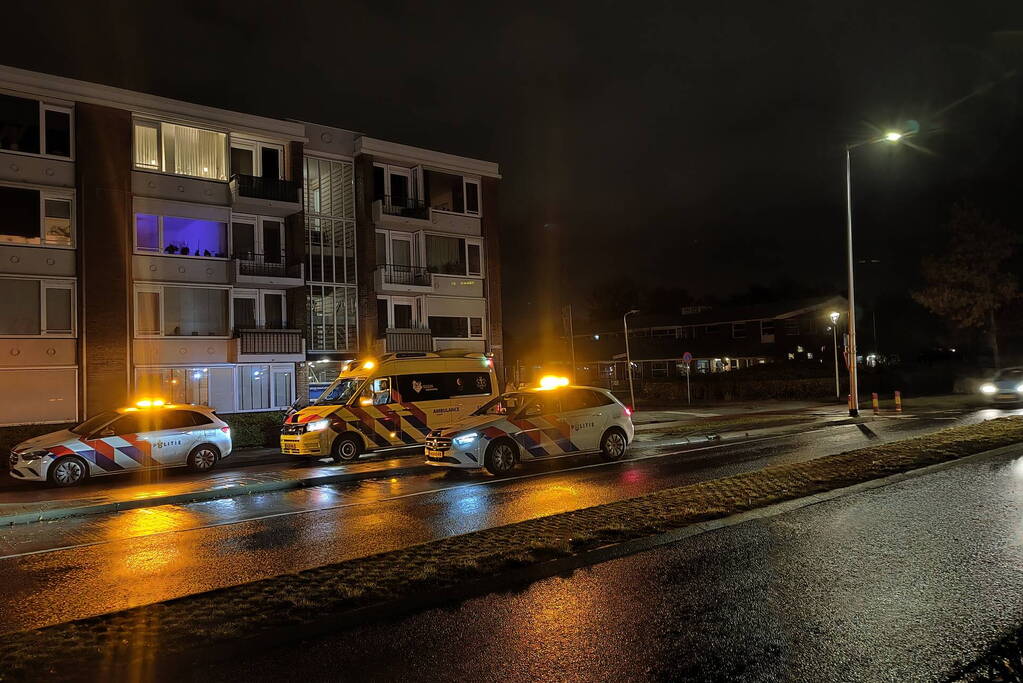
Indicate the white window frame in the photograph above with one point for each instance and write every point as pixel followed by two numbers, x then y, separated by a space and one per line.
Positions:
pixel 468 327
pixel 391 236
pixel 45 107
pixel 44 194
pixel 159 232
pixel 45 284
pixel 466 182
pixel 257 223
pixel 284 306
pixel 270 369
pixel 159 289
pixel 465 252
pixel 253 295
pixel 412 301
pixel 256 148
pixel 162 162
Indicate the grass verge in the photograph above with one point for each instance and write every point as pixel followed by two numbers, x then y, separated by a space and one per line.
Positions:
pixel 732 424
pixel 172 628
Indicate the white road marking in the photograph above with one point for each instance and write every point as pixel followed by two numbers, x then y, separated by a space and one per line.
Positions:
pixel 487 482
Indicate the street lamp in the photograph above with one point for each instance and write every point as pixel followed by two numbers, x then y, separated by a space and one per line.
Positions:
pixel 854 397
pixel 628 358
pixel 835 315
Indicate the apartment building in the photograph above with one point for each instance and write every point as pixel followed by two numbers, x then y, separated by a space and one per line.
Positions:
pixel 419 232
pixel 158 247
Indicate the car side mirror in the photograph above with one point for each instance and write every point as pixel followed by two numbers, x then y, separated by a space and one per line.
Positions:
pixel 533 411
pixel 106 431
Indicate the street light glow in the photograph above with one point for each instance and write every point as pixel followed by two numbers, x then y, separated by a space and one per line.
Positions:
pixel 893 136
pixel 834 315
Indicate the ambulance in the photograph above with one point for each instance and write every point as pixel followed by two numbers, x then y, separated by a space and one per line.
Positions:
pixel 390 402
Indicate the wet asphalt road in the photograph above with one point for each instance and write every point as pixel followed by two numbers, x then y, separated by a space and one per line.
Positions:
pixel 108 562
pixel 904 582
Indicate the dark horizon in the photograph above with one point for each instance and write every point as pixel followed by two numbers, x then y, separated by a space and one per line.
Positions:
pixel 701 152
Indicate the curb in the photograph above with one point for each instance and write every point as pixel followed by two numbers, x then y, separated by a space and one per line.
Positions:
pixel 518 578
pixel 209 494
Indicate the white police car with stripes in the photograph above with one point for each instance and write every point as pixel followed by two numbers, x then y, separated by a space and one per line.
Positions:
pixel 552 420
pixel 148 435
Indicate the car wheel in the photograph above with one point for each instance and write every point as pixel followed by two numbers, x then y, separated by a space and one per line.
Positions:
pixel 68 471
pixel 346 449
pixel 203 458
pixel 613 444
pixel 500 457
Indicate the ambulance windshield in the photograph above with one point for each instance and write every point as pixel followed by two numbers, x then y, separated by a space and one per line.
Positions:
pixel 340 391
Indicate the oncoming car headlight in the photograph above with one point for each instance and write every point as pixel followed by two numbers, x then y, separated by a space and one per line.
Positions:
pixel 317 425
pixel 1019 388
pixel 34 455
pixel 988 388
pixel 465 440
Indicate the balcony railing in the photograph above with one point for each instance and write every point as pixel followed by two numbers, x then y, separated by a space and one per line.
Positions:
pixel 266 341
pixel 408 339
pixel 398 274
pixel 266 265
pixel 406 207
pixel 273 189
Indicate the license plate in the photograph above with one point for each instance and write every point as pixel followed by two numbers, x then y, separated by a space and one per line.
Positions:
pixel 434 455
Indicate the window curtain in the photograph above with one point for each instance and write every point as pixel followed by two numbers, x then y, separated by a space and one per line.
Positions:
pixel 445 255
pixel 198 152
pixel 189 311
pixel 146 152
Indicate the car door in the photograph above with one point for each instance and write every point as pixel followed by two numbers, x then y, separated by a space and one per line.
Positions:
pixel 540 432
pixel 583 416
pixel 171 436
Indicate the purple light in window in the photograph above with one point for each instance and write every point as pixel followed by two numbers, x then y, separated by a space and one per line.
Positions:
pixel 194 237
pixel 147 232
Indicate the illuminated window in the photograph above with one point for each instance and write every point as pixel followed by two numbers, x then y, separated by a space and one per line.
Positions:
pixel 182 150
pixel 173 311
pixel 176 236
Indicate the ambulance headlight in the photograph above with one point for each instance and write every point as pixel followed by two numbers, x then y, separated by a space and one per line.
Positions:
pixel 34 455
pixel 465 440
pixel 317 425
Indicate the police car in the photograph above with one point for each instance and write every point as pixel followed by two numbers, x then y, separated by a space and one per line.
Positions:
pixel 551 420
pixel 148 435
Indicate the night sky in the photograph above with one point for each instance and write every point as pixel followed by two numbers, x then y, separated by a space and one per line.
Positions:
pixel 690 145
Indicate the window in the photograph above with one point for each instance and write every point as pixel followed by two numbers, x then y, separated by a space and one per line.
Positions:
pixel 258 239
pixel 711 329
pixel 475 259
pixel 244 309
pixel 182 150
pixel 256 159
pixel 791 327
pixel 265 387
pixel 32 308
pixel 175 385
pixel 332 318
pixel 475 327
pixel 454 255
pixel 180 236
pixel 444 326
pixel 34 127
pixel 450 192
pixel 472 197
pixel 658 369
pixel 738 330
pixel 35 217
pixel 181 311
pixel 257 309
pixel 582 399
pixel 766 331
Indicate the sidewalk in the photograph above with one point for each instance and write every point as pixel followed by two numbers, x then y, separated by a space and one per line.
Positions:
pixel 163 487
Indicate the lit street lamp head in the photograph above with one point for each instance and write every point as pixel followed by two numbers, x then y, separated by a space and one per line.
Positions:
pixel 834 315
pixel 893 136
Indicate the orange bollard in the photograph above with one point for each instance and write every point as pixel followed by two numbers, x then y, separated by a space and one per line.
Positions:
pixel 898 401
pixel 873 400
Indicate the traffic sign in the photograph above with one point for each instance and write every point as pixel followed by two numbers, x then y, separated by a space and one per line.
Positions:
pixel 687 357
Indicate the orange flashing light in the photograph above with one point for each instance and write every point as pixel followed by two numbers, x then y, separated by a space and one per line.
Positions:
pixel 553 382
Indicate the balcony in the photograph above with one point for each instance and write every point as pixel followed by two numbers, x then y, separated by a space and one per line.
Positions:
pixel 265 196
pixel 406 207
pixel 267 271
pixel 269 345
pixel 397 277
pixel 408 339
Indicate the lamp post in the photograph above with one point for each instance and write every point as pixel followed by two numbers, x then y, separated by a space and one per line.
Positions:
pixel 628 358
pixel 854 398
pixel 834 315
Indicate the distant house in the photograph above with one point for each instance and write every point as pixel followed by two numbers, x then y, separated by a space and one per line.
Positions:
pixel 720 340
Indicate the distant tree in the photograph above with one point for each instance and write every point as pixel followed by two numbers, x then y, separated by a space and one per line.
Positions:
pixel 967 282
pixel 610 300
